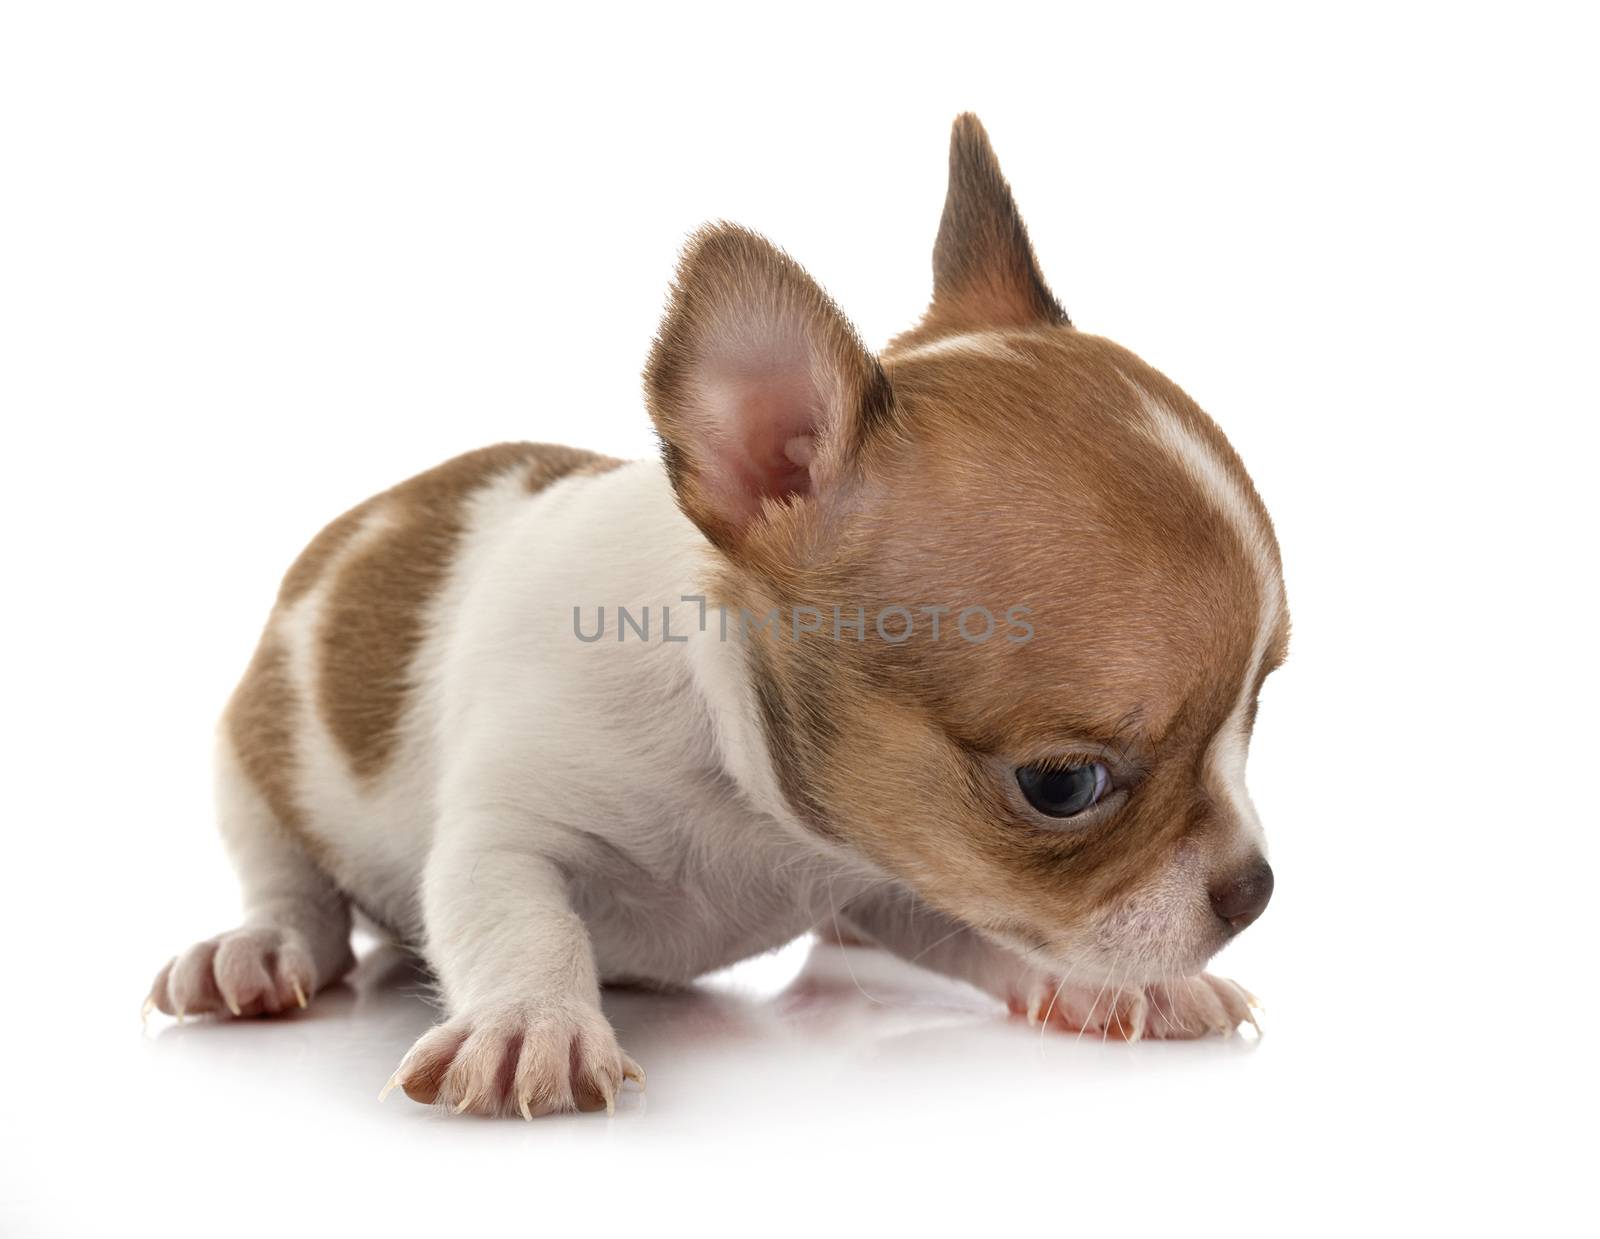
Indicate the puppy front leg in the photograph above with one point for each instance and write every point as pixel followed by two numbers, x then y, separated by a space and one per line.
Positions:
pixel 1178 1008
pixel 524 1032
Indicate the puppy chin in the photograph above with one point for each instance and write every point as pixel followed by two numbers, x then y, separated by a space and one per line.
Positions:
pixel 1125 969
pixel 1193 962
pixel 1126 949
pixel 1149 953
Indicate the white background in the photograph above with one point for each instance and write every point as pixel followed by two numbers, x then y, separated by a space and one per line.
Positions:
pixel 257 263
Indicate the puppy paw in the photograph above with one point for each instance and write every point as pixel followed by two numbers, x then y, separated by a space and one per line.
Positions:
pixel 1176 1010
pixel 1201 1006
pixel 259 971
pixel 527 1060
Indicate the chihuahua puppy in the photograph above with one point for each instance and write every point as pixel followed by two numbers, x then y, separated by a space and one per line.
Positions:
pixel 955 648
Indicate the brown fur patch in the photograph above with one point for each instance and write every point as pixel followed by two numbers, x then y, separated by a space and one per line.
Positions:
pixel 372 624
pixel 260 722
pixel 373 620
pixel 312 562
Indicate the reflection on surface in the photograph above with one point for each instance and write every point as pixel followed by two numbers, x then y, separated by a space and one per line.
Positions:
pixel 809 1011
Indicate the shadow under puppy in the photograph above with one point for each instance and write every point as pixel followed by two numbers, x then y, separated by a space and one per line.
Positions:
pixel 956 647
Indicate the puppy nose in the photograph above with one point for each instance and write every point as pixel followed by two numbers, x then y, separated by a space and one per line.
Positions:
pixel 1243 897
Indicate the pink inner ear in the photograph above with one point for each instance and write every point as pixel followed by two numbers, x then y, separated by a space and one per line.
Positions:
pixel 764 438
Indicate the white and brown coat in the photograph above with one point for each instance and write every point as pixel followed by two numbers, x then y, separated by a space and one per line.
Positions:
pixel 424 734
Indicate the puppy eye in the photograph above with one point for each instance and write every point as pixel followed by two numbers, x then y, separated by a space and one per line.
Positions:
pixel 1063 791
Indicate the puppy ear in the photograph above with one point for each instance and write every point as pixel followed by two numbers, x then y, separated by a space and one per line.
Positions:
pixel 984 271
pixel 759 387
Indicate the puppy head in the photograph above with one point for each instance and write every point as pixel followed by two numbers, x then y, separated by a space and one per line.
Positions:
pixel 1024 593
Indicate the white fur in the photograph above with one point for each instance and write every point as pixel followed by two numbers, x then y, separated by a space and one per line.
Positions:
pixel 970 343
pixel 545 786
pixel 1226 755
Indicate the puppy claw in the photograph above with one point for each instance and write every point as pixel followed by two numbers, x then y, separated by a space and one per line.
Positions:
pixel 526 1059
pixel 394 1083
pixel 1133 1025
pixel 255 970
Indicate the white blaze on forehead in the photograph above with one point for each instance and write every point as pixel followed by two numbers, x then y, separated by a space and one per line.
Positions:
pixel 1222 489
pixel 1225 759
